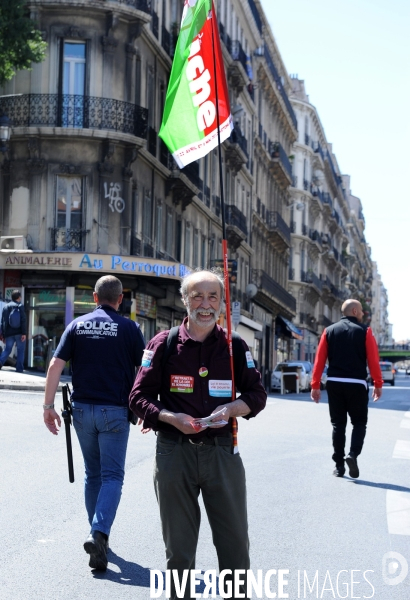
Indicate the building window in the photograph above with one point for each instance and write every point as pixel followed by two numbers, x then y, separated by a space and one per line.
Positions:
pixel 178 240
pixel 147 224
pixel 196 248
pixel 211 250
pixel 203 252
pixel 169 231
pixel 151 94
pixel 68 234
pixel 73 83
pixel 158 227
pixel 187 248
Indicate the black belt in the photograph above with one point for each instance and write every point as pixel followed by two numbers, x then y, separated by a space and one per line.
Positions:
pixel 216 440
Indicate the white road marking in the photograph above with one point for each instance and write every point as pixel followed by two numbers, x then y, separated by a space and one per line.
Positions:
pixel 407 414
pixel 402 449
pixel 21 392
pixel 405 423
pixel 398 512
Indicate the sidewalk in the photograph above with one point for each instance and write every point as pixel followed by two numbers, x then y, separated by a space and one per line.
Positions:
pixel 31 381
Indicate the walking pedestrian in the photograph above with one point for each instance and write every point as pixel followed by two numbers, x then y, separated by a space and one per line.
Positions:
pixel 14 330
pixel 196 382
pixel 104 349
pixel 348 345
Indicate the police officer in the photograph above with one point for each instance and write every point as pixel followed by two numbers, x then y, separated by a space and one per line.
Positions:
pixel 105 349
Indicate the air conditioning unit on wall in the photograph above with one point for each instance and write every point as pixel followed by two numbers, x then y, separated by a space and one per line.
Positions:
pixel 13 242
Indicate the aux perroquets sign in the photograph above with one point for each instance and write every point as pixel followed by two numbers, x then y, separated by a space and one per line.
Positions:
pixel 111 263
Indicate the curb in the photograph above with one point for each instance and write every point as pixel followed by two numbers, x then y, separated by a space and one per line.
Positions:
pixel 25 387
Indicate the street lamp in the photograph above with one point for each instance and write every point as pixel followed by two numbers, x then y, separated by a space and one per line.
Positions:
pixel 5 131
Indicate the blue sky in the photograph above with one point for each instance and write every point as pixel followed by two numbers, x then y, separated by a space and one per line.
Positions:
pixel 355 59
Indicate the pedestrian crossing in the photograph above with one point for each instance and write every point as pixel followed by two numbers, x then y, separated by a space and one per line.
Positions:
pixel 398 503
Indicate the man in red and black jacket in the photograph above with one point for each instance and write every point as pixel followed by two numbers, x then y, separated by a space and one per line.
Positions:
pixel 348 346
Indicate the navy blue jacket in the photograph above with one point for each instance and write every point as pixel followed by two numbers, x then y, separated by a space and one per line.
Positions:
pixel 6 329
pixel 105 349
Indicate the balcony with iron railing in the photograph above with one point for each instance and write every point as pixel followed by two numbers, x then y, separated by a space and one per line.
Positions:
pixel 271 293
pixel 143 5
pixel 315 236
pixel 256 15
pixel 277 79
pixel 318 150
pixel 236 149
pixel 327 200
pixel 312 278
pixel 236 218
pixel 279 230
pixel 71 240
pixel 282 168
pixel 75 111
pixel 238 54
pixel 337 179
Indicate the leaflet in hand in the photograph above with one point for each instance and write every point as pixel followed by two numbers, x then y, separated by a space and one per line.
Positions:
pixel 209 422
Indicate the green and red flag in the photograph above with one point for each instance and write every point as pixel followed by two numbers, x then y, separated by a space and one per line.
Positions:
pixel 189 124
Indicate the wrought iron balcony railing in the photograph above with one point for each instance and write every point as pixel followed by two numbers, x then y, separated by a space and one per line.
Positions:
pixel 276 221
pixel 310 277
pixel 276 150
pixel 266 283
pixel 237 137
pixel 81 112
pixel 144 5
pixel 192 172
pixel 236 218
pixel 256 15
pixel 67 239
pixel 327 199
pixel 278 81
pixel 238 53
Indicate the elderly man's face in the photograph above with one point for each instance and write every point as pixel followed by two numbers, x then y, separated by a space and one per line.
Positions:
pixel 204 301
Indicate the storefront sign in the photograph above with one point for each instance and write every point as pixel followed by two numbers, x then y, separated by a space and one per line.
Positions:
pixel 79 261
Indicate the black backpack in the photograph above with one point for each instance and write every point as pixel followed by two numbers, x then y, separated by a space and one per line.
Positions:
pixel 15 317
pixel 237 349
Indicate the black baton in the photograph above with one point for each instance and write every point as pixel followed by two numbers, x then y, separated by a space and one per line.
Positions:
pixel 66 413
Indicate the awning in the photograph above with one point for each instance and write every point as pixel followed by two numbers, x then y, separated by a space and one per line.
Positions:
pixel 291 328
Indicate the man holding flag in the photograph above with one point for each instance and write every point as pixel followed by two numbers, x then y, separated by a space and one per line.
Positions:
pixel 196 422
pixel 193 417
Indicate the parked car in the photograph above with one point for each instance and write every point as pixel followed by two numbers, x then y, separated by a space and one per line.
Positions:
pixel 388 372
pixel 305 374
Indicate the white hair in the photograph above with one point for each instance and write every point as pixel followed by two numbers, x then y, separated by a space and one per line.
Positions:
pixel 185 282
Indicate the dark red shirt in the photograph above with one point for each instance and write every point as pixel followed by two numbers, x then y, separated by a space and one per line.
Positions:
pixel 152 389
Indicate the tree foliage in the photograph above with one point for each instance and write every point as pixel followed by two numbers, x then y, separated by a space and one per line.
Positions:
pixel 21 42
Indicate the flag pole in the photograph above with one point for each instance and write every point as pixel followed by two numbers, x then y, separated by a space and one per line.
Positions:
pixel 224 240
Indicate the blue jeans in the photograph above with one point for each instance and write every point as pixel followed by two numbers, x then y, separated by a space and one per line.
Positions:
pixel 103 435
pixel 9 347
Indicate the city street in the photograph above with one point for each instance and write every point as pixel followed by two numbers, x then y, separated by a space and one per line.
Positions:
pixel 327 532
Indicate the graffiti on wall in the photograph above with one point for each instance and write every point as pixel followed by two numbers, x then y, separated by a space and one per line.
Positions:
pixel 116 203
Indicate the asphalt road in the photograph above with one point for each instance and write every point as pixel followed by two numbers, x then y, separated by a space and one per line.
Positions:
pixel 325 531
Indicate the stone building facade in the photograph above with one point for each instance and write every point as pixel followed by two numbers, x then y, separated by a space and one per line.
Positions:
pixel 88 188
pixel 329 260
